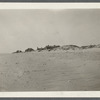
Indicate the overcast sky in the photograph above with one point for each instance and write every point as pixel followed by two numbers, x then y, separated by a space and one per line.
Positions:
pixel 21 29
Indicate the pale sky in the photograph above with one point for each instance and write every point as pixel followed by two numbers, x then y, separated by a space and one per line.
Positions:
pixel 22 29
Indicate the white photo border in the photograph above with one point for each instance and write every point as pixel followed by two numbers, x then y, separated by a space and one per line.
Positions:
pixel 42 94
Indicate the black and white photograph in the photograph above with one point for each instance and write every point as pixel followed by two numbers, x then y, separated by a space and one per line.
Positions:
pixel 49 50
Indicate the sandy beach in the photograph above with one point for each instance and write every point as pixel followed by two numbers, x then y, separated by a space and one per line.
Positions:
pixel 76 70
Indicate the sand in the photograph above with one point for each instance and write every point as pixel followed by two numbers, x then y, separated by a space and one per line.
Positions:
pixel 76 70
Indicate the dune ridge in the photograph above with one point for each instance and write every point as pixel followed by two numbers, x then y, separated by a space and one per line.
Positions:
pixel 58 47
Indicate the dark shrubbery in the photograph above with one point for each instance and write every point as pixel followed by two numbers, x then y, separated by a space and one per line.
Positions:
pixel 88 46
pixel 92 46
pixel 18 51
pixel 51 47
pixel 40 49
pixel 29 50
pixel 48 47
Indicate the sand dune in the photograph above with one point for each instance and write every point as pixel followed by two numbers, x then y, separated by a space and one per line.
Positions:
pixel 76 70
